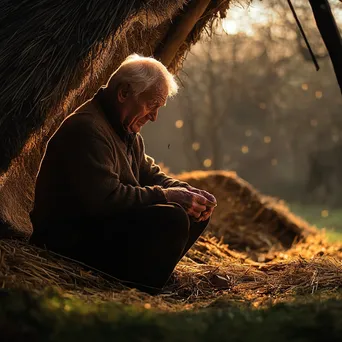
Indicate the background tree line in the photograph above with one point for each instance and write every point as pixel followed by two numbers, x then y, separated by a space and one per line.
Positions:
pixel 251 101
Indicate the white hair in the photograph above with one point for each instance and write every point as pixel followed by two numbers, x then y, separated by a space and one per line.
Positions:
pixel 141 73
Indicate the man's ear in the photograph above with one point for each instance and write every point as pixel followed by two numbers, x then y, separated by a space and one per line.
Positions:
pixel 123 92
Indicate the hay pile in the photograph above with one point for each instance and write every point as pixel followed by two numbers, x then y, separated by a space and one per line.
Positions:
pixel 246 220
pixel 251 269
pixel 209 272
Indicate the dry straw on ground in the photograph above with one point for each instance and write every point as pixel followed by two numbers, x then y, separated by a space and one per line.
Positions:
pixel 257 273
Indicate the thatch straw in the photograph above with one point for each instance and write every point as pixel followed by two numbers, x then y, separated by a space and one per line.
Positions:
pixel 49 49
pixel 55 55
pixel 209 271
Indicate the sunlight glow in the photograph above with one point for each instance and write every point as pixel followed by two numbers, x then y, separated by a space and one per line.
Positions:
pixel 229 26
pixel 243 19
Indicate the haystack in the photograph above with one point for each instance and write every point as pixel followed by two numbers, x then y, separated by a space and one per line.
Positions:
pixel 244 218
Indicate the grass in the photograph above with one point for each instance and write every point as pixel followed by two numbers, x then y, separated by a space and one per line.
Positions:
pixel 322 218
pixel 51 317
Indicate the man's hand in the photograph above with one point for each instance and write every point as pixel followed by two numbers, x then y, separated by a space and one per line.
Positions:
pixel 204 193
pixel 194 204
pixel 212 200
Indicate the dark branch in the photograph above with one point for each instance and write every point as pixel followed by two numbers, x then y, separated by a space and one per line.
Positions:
pixel 331 36
pixel 304 35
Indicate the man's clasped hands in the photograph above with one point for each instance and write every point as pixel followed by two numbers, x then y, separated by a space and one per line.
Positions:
pixel 198 203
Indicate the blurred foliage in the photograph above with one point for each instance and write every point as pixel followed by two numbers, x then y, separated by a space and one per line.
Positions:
pixel 329 219
pixel 252 102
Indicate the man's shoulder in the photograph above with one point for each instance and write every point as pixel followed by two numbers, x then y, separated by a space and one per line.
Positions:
pixel 76 124
pixel 81 126
pixel 85 118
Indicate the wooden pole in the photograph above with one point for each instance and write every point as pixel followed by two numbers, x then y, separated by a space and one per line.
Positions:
pixel 331 36
pixel 168 48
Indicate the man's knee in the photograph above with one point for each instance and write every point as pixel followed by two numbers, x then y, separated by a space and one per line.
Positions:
pixel 177 220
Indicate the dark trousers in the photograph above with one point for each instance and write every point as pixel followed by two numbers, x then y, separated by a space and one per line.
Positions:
pixel 141 247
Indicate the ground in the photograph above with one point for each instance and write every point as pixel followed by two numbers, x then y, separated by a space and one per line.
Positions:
pixel 52 317
pixel 279 279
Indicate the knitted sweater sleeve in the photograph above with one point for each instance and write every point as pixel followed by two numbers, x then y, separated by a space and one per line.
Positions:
pixel 89 162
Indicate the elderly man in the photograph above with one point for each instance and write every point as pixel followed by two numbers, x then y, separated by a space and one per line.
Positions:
pixel 101 200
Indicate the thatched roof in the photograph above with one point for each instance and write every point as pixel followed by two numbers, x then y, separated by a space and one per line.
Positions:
pixel 54 55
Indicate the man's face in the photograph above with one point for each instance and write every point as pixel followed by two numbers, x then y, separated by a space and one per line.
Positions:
pixel 138 111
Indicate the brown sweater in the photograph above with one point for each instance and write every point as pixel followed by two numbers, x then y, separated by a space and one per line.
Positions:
pixel 92 168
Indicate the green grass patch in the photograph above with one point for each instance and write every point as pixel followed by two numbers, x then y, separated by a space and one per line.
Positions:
pixel 51 317
pixel 321 217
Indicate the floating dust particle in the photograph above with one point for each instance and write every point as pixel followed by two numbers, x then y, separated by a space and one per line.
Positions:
pixel 196 146
pixel 262 105
pixel 313 122
pixel 318 94
pixel 305 86
pixel 248 133
pixel 274 162
pixel 267 139
pixel 335 138
pixel 325 213
pixel 207 162
pixel 226 158
pixel 179 123
pixel 244 149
